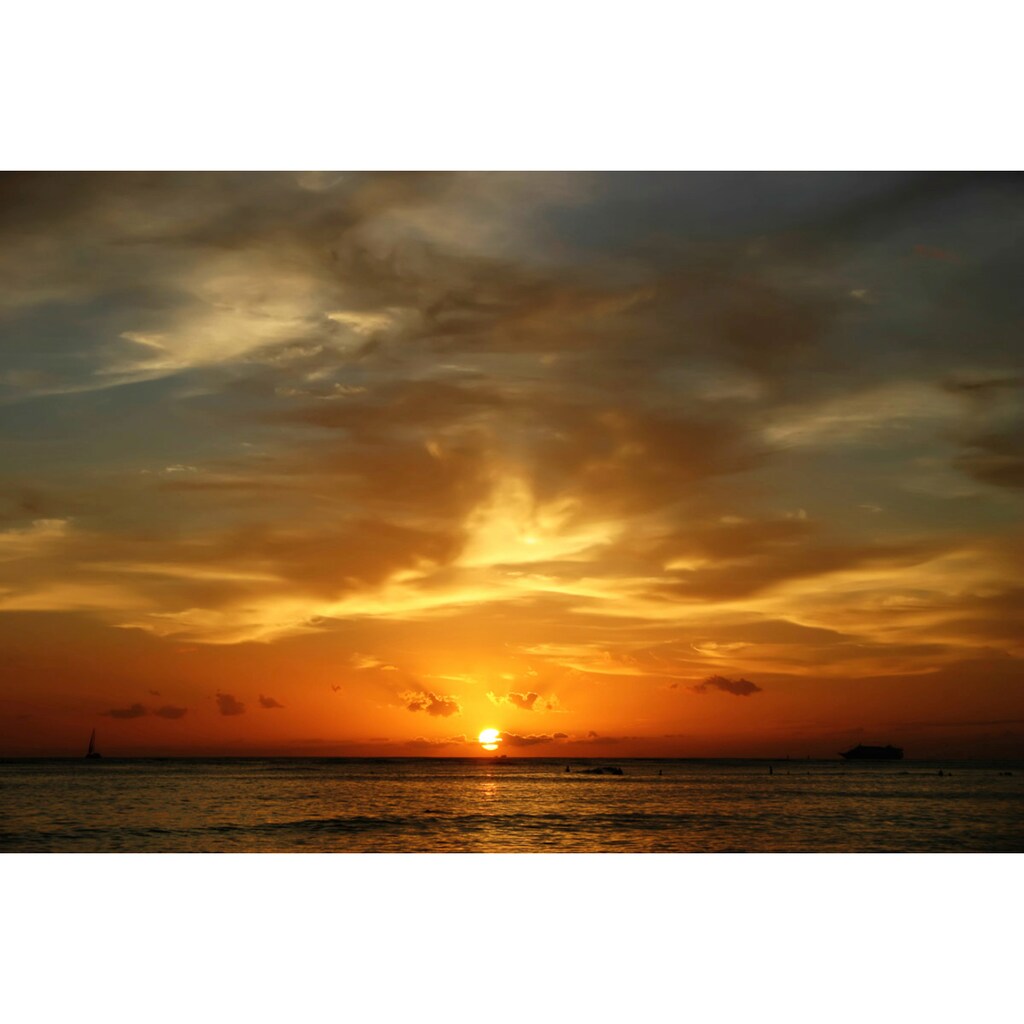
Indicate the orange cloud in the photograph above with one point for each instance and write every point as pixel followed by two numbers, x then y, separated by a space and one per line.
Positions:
pixel 432 704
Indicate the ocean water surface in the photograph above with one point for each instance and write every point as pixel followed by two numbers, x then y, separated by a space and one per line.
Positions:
pixel 511 805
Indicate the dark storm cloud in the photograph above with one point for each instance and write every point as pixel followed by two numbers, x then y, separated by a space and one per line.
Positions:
pixel 737 687
pixel 135 711
pixel 227 705
pixel 170 711
pixel 432 704
pixel 269 702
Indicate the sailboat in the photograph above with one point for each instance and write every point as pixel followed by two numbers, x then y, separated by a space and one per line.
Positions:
pixel 92 751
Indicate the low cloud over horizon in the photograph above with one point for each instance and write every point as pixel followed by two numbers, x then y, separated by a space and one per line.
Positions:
pixel 737 687
pixel 227 705
pixel 135 711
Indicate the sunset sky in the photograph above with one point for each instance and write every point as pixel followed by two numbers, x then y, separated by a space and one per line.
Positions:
pixel 617 464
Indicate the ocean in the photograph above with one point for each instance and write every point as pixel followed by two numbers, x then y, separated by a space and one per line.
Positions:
pixel 513 805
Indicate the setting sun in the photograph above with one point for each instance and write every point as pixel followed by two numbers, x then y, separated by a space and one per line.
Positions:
pixel 489 739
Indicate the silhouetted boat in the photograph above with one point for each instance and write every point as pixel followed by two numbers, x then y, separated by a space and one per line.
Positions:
pixel 863 753
pixel 607 769
pixel 92 751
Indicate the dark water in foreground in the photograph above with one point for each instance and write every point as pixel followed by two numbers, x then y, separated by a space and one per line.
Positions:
pixel 517 805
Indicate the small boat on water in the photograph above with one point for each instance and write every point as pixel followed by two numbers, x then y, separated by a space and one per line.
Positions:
pixel 92 752
pixel 607 769
pixel 863 753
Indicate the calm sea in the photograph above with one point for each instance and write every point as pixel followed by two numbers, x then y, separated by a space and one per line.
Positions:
pixel 515 805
